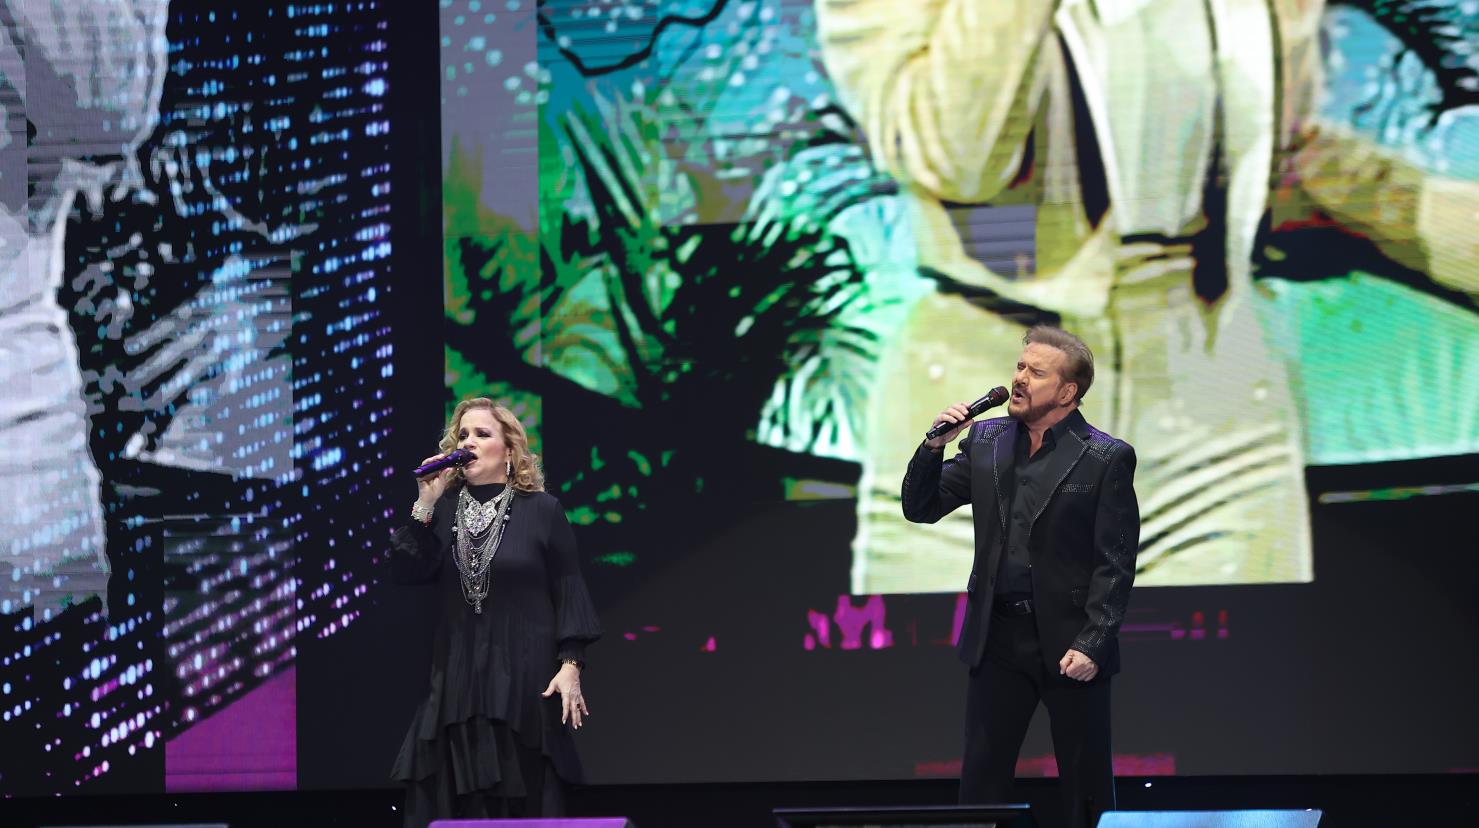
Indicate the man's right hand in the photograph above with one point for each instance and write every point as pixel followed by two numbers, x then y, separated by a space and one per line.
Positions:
pixel 959 413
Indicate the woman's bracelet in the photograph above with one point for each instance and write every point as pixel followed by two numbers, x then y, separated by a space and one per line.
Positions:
pixel 421 513
pixel 572 662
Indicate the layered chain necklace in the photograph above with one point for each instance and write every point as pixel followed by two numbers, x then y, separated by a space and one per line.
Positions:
pixel 479 529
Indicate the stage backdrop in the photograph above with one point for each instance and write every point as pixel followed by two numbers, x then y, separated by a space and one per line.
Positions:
pixel 727 260
pixel 195 364
pixel 774 238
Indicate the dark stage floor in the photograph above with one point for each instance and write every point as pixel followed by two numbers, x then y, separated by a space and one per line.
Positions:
pixel 1348 802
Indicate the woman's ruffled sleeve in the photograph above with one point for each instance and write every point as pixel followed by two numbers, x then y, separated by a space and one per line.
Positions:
pixel 416 551
pixel 576 623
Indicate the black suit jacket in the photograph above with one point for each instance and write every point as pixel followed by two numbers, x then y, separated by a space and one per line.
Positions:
pixel 1081 544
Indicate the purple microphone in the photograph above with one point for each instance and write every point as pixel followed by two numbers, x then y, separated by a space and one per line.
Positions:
pixel 456 457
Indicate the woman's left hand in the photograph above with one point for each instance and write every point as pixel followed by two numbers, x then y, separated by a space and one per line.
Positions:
pixel 572 703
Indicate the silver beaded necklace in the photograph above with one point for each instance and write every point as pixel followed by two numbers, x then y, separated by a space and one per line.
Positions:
pixel 479 530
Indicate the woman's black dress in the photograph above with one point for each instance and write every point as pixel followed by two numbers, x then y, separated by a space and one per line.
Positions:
pixel 484 743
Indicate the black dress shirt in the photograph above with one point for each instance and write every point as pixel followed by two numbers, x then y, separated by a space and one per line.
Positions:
pixel 1029 491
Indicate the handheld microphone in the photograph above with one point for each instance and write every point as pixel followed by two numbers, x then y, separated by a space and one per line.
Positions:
pixel 456 457
pixel 993 398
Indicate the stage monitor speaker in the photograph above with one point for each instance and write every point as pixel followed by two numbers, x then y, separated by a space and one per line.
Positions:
pixel 1211 819
pixel 562 822
pixel 928 816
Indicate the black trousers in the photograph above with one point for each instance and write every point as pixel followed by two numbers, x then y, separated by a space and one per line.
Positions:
pixel 1002 695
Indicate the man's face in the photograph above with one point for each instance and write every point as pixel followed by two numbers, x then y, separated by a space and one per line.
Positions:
pixel 1038 386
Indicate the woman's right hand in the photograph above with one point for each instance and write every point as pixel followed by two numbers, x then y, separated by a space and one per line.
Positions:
pixel 431 487
pixel 960 413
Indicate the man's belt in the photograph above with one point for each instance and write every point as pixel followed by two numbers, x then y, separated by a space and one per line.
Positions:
pixel 1007 605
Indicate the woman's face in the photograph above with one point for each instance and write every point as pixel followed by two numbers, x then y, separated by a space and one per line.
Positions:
pixel 480 433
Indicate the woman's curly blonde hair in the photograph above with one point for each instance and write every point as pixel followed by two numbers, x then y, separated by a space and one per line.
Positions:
pixel 526 475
